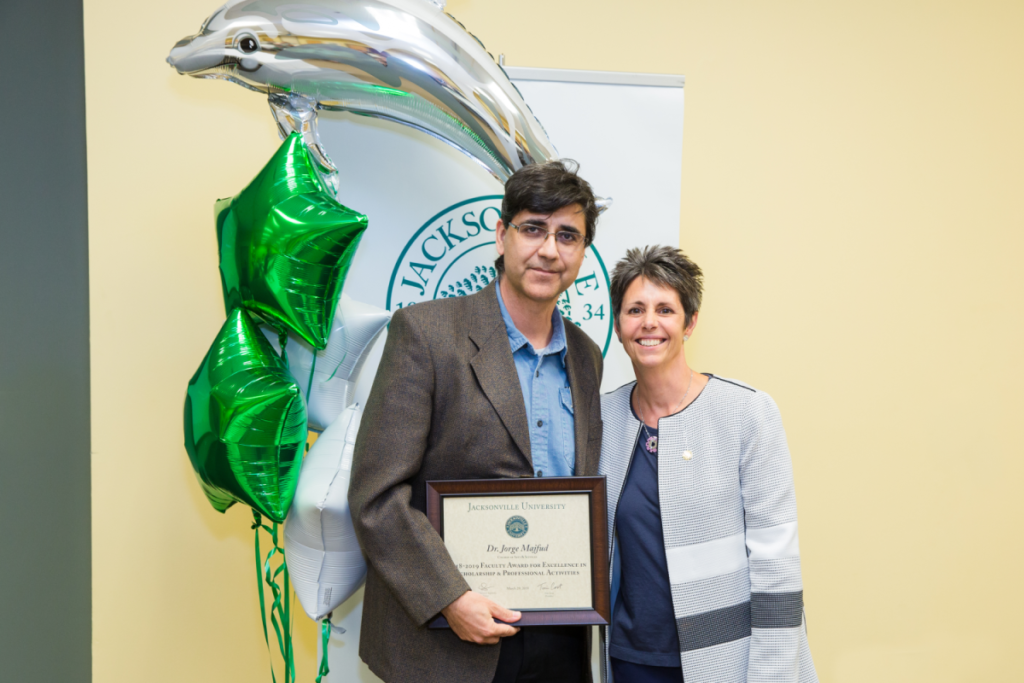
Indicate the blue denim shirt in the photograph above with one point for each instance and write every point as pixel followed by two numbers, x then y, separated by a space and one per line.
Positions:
pixel 547 396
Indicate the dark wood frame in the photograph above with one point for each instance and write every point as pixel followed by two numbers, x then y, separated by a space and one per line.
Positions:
pixel 594 487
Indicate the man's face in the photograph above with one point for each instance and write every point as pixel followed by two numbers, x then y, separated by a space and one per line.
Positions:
pixel 541 272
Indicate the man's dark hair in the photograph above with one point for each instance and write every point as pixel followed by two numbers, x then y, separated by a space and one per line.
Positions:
pixel 665 266
pixel 546 188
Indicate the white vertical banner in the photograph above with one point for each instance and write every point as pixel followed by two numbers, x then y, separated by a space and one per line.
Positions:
pixel 432 212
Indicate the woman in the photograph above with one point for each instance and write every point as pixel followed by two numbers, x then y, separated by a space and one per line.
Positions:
pixel 706 580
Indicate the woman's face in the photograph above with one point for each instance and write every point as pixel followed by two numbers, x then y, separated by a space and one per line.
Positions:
pixel 651 323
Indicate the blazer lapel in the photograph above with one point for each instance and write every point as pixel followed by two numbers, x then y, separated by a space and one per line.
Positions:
pixel 582 394
pixel 496 370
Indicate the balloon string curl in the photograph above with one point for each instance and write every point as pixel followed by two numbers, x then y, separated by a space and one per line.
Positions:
pixel 340 363
pixel 325 639
pixel 280 610
pixel 309 384
pixel 282 341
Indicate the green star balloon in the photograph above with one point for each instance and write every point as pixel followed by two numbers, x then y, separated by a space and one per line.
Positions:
pixel 286 245
pixel 245 422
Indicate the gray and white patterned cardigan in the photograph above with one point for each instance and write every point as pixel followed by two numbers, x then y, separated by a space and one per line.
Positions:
pixel 728 513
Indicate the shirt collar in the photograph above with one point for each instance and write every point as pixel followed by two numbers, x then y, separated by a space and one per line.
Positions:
pixel 517 340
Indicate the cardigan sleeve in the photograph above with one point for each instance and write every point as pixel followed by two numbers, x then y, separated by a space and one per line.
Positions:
pixel 769 506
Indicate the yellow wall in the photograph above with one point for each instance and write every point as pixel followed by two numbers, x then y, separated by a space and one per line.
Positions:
pixel 852 180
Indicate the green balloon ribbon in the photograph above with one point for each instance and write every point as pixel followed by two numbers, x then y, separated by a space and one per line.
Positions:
pixel 325 641
pixel 286 245
pixel 245 422
pixel 280 610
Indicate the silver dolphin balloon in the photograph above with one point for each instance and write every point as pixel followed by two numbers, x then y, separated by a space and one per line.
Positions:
pixel 403 60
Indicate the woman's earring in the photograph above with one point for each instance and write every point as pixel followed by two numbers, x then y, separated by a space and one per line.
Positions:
pixel 686 337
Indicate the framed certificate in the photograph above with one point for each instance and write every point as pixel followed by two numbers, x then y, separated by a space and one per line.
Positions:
pixel 535 545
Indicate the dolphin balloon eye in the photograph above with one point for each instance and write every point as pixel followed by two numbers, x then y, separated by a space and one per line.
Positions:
pixel 248 44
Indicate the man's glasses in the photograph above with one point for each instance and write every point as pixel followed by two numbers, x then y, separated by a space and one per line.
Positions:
pixel 535 235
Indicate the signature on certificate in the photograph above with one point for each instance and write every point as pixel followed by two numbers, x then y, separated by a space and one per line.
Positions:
pixel 549 586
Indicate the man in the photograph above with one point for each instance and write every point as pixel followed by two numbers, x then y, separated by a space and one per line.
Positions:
pixel 490 385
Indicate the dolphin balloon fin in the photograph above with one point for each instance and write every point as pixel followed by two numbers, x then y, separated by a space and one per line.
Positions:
pixel 295 113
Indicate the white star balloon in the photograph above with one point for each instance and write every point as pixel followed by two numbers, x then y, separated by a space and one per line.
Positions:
pixel 329 385
pixel 320 545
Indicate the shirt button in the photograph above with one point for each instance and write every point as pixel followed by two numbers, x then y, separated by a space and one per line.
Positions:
pixel 540 423
pixel 687 455
pixel 538 374
pixel 540 473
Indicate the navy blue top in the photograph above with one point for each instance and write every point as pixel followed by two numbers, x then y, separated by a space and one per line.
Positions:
pixel 644 623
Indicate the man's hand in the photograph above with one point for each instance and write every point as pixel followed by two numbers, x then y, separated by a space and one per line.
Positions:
pixel 472 615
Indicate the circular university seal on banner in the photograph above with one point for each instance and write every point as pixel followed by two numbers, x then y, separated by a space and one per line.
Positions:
pixel 453 254
pixel 516 526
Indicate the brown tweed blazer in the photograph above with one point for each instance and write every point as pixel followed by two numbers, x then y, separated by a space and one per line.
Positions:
pixel 446 404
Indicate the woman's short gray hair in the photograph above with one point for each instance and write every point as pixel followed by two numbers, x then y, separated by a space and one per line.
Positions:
pixel 665 266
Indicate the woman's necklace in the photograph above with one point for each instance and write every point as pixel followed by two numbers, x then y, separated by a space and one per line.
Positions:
pixel 652 441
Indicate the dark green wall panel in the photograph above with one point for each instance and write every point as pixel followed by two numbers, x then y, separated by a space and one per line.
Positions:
pixel 45 574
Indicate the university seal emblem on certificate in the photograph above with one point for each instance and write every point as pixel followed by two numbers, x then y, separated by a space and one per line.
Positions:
pixel 536 545
pixel 516 526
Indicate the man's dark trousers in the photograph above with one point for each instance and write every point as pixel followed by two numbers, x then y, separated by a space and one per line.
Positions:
pixel 544 654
